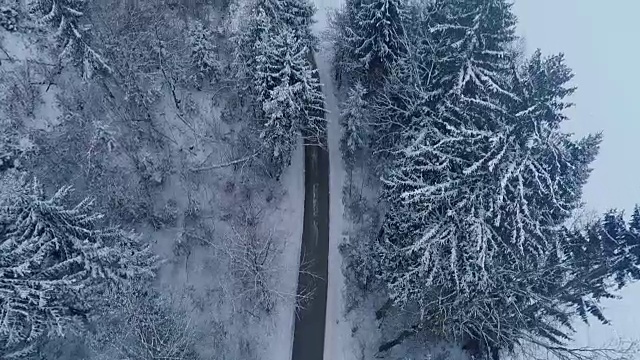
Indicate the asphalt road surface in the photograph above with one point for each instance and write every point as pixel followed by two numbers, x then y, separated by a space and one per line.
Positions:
pixel 308 338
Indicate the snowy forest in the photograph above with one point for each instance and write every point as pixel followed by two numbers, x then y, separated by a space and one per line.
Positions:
pixel 154 184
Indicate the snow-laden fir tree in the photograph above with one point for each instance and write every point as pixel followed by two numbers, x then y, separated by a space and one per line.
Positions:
pixel 424 47
pixel 55 262
pixel 460 65
pixel 297 15
pixel 479 196
pixel 461 133
pixel 271 17
pixel 460 55
pixel 373 36
pixel 616 244
pixel 633 249
pixel 273 58
pixel 67 17
pixel 204 54
pixel 478 36
pixel 289 91
pixel 354 121
pixel 585 265
pixel 456 65
pixel 247 44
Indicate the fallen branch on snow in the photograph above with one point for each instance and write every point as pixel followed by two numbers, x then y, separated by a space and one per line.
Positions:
pixel 223 165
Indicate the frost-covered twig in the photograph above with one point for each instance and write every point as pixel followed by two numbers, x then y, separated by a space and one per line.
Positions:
pixel 226 164
pixel 619 350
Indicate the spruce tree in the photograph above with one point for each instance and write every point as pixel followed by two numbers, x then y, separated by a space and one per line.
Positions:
pixel 72 37
pixel 354 125
pixel 290 94
pixel 479 195
pixel 56 262
pixel 599 258
pixel 276 55
pixel 297 15
pixel 204 57
pixel 249 44
pixel 617 245
pixel 375 37
pixel 478 34
pixel 344 62
pixel 633 242
pixel 271 17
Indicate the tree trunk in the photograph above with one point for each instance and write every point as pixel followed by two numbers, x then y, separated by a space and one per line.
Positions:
pixel 399 339
pixel 472 347
pixel 382 312
pixel 495 353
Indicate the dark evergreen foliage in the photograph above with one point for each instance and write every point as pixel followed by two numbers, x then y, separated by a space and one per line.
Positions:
pixel 274 54
pixel 71 34
pixel 480 178
pixel 56 262
pixel 372 38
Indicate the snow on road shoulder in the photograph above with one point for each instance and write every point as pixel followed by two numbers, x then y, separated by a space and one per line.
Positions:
pixel 288 220
pixel 337 331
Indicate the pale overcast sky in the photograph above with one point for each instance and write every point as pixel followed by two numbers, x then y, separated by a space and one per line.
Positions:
pixel 600 39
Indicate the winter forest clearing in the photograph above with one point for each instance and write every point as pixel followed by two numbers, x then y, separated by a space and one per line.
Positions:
pixel 172 170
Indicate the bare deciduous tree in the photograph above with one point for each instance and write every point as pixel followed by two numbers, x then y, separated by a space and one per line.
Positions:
pixel 141 324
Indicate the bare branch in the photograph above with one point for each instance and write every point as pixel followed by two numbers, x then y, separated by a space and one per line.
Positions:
pixel 620 350
pixel 227 164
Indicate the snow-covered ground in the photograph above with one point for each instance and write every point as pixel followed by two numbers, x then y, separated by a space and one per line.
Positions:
pixel 208 277
pixel 288 220
pixel 203 275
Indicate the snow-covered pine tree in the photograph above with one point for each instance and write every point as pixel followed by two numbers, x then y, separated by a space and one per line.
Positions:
pixel 457 67
pixel 634 234
pixel 72 36
pixel 464 130
pixel 459 59
pixel 355 129
pixel 479 197
pixel 289 91
pixel 617 244
pixel 574 277
pixel 478 35
pixel 374 37
pixel 592 261
pixel 297 15
pixel 425 47
pixel 247 43
pixel 55 262
pixel 273 16
pixel 204 56
pixel 343 63
pixel 274 54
